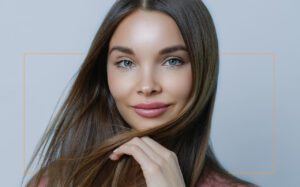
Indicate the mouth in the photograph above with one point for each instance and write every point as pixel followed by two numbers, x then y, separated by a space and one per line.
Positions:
pixel 151 110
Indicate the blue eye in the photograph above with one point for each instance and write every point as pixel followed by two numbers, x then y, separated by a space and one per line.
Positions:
pixel 125 64
pixel 173 61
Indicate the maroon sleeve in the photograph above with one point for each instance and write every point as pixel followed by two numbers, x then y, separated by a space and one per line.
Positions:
pixel 43 181
pixel 215 180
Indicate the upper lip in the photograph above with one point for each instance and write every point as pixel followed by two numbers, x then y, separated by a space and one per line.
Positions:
pixel 151 105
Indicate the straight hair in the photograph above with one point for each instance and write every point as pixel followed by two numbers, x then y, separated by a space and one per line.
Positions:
pixel 88 126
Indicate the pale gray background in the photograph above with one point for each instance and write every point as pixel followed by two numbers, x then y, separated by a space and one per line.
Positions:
pixel 242 132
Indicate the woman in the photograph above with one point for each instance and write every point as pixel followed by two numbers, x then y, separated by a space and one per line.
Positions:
pixel 140 110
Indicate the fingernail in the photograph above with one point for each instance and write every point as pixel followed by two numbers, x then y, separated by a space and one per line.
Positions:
pixel 111 156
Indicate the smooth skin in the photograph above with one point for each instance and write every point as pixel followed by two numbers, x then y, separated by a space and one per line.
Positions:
pixel 139 73
pixel 159 165
pixel 148 76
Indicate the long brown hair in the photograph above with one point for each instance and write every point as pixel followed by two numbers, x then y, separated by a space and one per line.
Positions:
pixel 88 126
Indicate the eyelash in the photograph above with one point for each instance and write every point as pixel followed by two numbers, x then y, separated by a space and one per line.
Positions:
pixel 174 58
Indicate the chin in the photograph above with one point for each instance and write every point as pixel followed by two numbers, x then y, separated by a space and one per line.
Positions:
pixel 146 127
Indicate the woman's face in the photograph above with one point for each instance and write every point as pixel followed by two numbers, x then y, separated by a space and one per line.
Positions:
pixel 147 62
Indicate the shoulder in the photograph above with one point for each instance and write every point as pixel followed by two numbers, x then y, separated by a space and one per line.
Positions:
pixel 214 179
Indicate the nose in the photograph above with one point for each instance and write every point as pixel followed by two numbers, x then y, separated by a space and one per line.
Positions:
pixel 148 84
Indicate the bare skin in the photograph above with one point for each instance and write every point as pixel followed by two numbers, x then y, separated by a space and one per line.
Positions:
pixel 159 165
pixel 150 77
pixel 147 76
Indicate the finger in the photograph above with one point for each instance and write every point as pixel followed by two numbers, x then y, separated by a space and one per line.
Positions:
pixel 146 148
pixel 137 153
pixel 166 153
pixel 153 154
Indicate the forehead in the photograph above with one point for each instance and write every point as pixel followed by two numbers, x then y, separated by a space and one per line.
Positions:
pixel 147 28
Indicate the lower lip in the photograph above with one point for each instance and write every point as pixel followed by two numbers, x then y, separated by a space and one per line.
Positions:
pixel 150 112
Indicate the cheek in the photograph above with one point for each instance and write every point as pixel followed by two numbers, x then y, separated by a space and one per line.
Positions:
pixel 119 85
pixel 179 84
pixel 176 83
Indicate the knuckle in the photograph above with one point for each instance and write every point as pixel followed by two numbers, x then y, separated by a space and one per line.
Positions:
pixel 135 139
pixel 160 162
pixel 133 148
pixel 144 137
pixel 170 155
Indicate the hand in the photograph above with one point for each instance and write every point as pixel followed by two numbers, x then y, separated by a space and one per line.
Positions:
pixel 159 165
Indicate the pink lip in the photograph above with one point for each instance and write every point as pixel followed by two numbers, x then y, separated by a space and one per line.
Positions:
pixel 150 109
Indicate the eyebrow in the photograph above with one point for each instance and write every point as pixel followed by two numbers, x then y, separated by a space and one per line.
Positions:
pixel 161 52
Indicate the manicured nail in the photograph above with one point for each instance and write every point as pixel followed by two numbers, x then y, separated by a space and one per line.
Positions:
pixel 111 156
pixel 115 150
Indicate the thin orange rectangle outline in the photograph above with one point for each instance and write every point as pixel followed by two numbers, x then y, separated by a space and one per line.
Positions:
pixel 24 63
